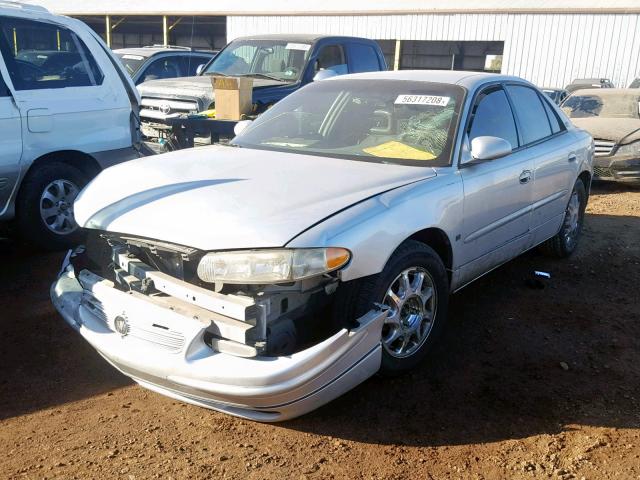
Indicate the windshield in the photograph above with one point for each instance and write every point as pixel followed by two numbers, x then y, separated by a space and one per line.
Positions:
pixel 552 94
pixel 132 63
pixel 411 123
pixel 279 60
pixel 606 106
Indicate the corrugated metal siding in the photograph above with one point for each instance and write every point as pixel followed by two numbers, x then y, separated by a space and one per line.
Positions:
pixel 547 49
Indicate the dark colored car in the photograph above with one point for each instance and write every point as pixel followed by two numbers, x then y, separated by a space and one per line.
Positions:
pixel 582 83
pixel 278 64
pixel 556 94
pixel 158 61
pixel 635 83
pixel 612 117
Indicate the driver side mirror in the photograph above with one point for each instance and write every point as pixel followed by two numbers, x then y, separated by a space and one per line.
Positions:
pixel 241 126
pixel 200 69
pixel 488 148
pixel 324 74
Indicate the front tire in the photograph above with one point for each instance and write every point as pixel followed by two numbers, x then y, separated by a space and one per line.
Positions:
pixel 44 208
pixel 565 242
pixel 415 287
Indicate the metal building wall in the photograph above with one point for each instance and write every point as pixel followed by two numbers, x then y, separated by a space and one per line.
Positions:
pixel 547 49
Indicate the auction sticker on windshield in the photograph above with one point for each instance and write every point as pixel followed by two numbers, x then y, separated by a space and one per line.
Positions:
pixel 298 46
pixel 422 100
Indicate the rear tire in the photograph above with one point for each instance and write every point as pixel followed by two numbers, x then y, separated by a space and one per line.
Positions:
pixel 44 207
pixel 565 242
pixel 417 316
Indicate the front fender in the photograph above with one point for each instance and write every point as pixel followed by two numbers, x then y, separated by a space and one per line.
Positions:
pixel 373 229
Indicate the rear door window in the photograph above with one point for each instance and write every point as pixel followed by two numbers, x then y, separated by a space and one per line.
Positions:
pixel 42 55
pixel 530 112
pixel 492 116
pixel 190 64
pixel 362 58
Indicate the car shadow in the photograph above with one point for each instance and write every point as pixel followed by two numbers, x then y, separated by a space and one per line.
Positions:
pixel 44 362
pixel 608 187
pixel 514 361
pixel 517 360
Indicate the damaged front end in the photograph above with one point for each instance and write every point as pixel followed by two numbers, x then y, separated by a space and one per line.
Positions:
pixel 266 351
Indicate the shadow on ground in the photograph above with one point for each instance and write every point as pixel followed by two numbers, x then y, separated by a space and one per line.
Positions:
pixel 495 374
pixel 44 362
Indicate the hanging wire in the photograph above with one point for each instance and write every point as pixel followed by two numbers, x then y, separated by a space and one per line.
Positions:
pixel 193 21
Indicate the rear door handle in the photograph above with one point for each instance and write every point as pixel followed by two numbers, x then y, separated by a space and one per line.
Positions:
pixel 525 176
pixel 572 158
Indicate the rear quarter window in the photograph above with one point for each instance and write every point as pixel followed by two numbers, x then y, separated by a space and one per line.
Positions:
pixel 41 55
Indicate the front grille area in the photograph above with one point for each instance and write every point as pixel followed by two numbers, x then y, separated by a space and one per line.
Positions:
pixel 158 335
pixel 602 172
pixel 157 109
pixel 161 337
pixel 604 147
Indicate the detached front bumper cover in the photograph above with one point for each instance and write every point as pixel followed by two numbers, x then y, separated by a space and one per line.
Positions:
pixel 164 350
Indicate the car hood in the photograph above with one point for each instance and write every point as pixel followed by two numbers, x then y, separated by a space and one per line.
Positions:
pixel 190 87
pixel 220 197
pixel 619 130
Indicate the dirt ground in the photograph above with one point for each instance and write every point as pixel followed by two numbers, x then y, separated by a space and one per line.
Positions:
pixel 526 383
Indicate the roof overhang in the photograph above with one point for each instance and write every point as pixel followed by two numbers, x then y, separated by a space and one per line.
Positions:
pixel 333 7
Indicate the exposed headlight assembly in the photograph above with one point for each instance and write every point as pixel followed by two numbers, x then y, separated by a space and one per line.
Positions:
pixel 631 149
pixel 270 266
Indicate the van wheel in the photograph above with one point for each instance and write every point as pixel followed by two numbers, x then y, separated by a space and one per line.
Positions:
pixel 44 207
pixel 414 285
pixel 565 241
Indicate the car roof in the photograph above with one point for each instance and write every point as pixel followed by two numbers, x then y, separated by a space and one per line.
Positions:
pixel 295 37
pixel 553 89
pixel 469 80
pixel 581 81
pixel 608 92
pixel 154 50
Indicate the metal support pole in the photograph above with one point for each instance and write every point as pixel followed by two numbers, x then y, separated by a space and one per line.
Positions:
pixel 107 29
pixel 396 56
pixel 165 31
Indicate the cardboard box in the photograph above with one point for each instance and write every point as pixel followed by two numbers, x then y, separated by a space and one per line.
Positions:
pixel 233 97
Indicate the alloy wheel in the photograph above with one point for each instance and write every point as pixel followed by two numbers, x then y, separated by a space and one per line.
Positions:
pixel 571 224
pixel 412 302
pixel 56 206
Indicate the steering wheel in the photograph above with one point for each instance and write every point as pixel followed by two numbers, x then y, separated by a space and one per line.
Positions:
pixel 28 72
pixel 291 71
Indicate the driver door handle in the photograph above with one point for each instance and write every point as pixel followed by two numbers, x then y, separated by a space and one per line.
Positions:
pixel 525 176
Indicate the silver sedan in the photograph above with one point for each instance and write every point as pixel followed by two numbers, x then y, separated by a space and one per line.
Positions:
pixel 267 277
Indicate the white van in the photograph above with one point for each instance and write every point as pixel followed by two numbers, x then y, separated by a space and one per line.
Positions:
pixel 67 110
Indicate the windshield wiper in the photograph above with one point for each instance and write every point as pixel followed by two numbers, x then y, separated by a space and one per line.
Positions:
pixel 263 75
pixel 216 73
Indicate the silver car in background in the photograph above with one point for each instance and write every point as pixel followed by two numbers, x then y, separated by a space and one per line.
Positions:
pixel 268 277
pixel 612 117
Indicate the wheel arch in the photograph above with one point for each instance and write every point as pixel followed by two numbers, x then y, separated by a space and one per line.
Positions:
pixel 438 240
pixel 585 177
pixel 80 160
